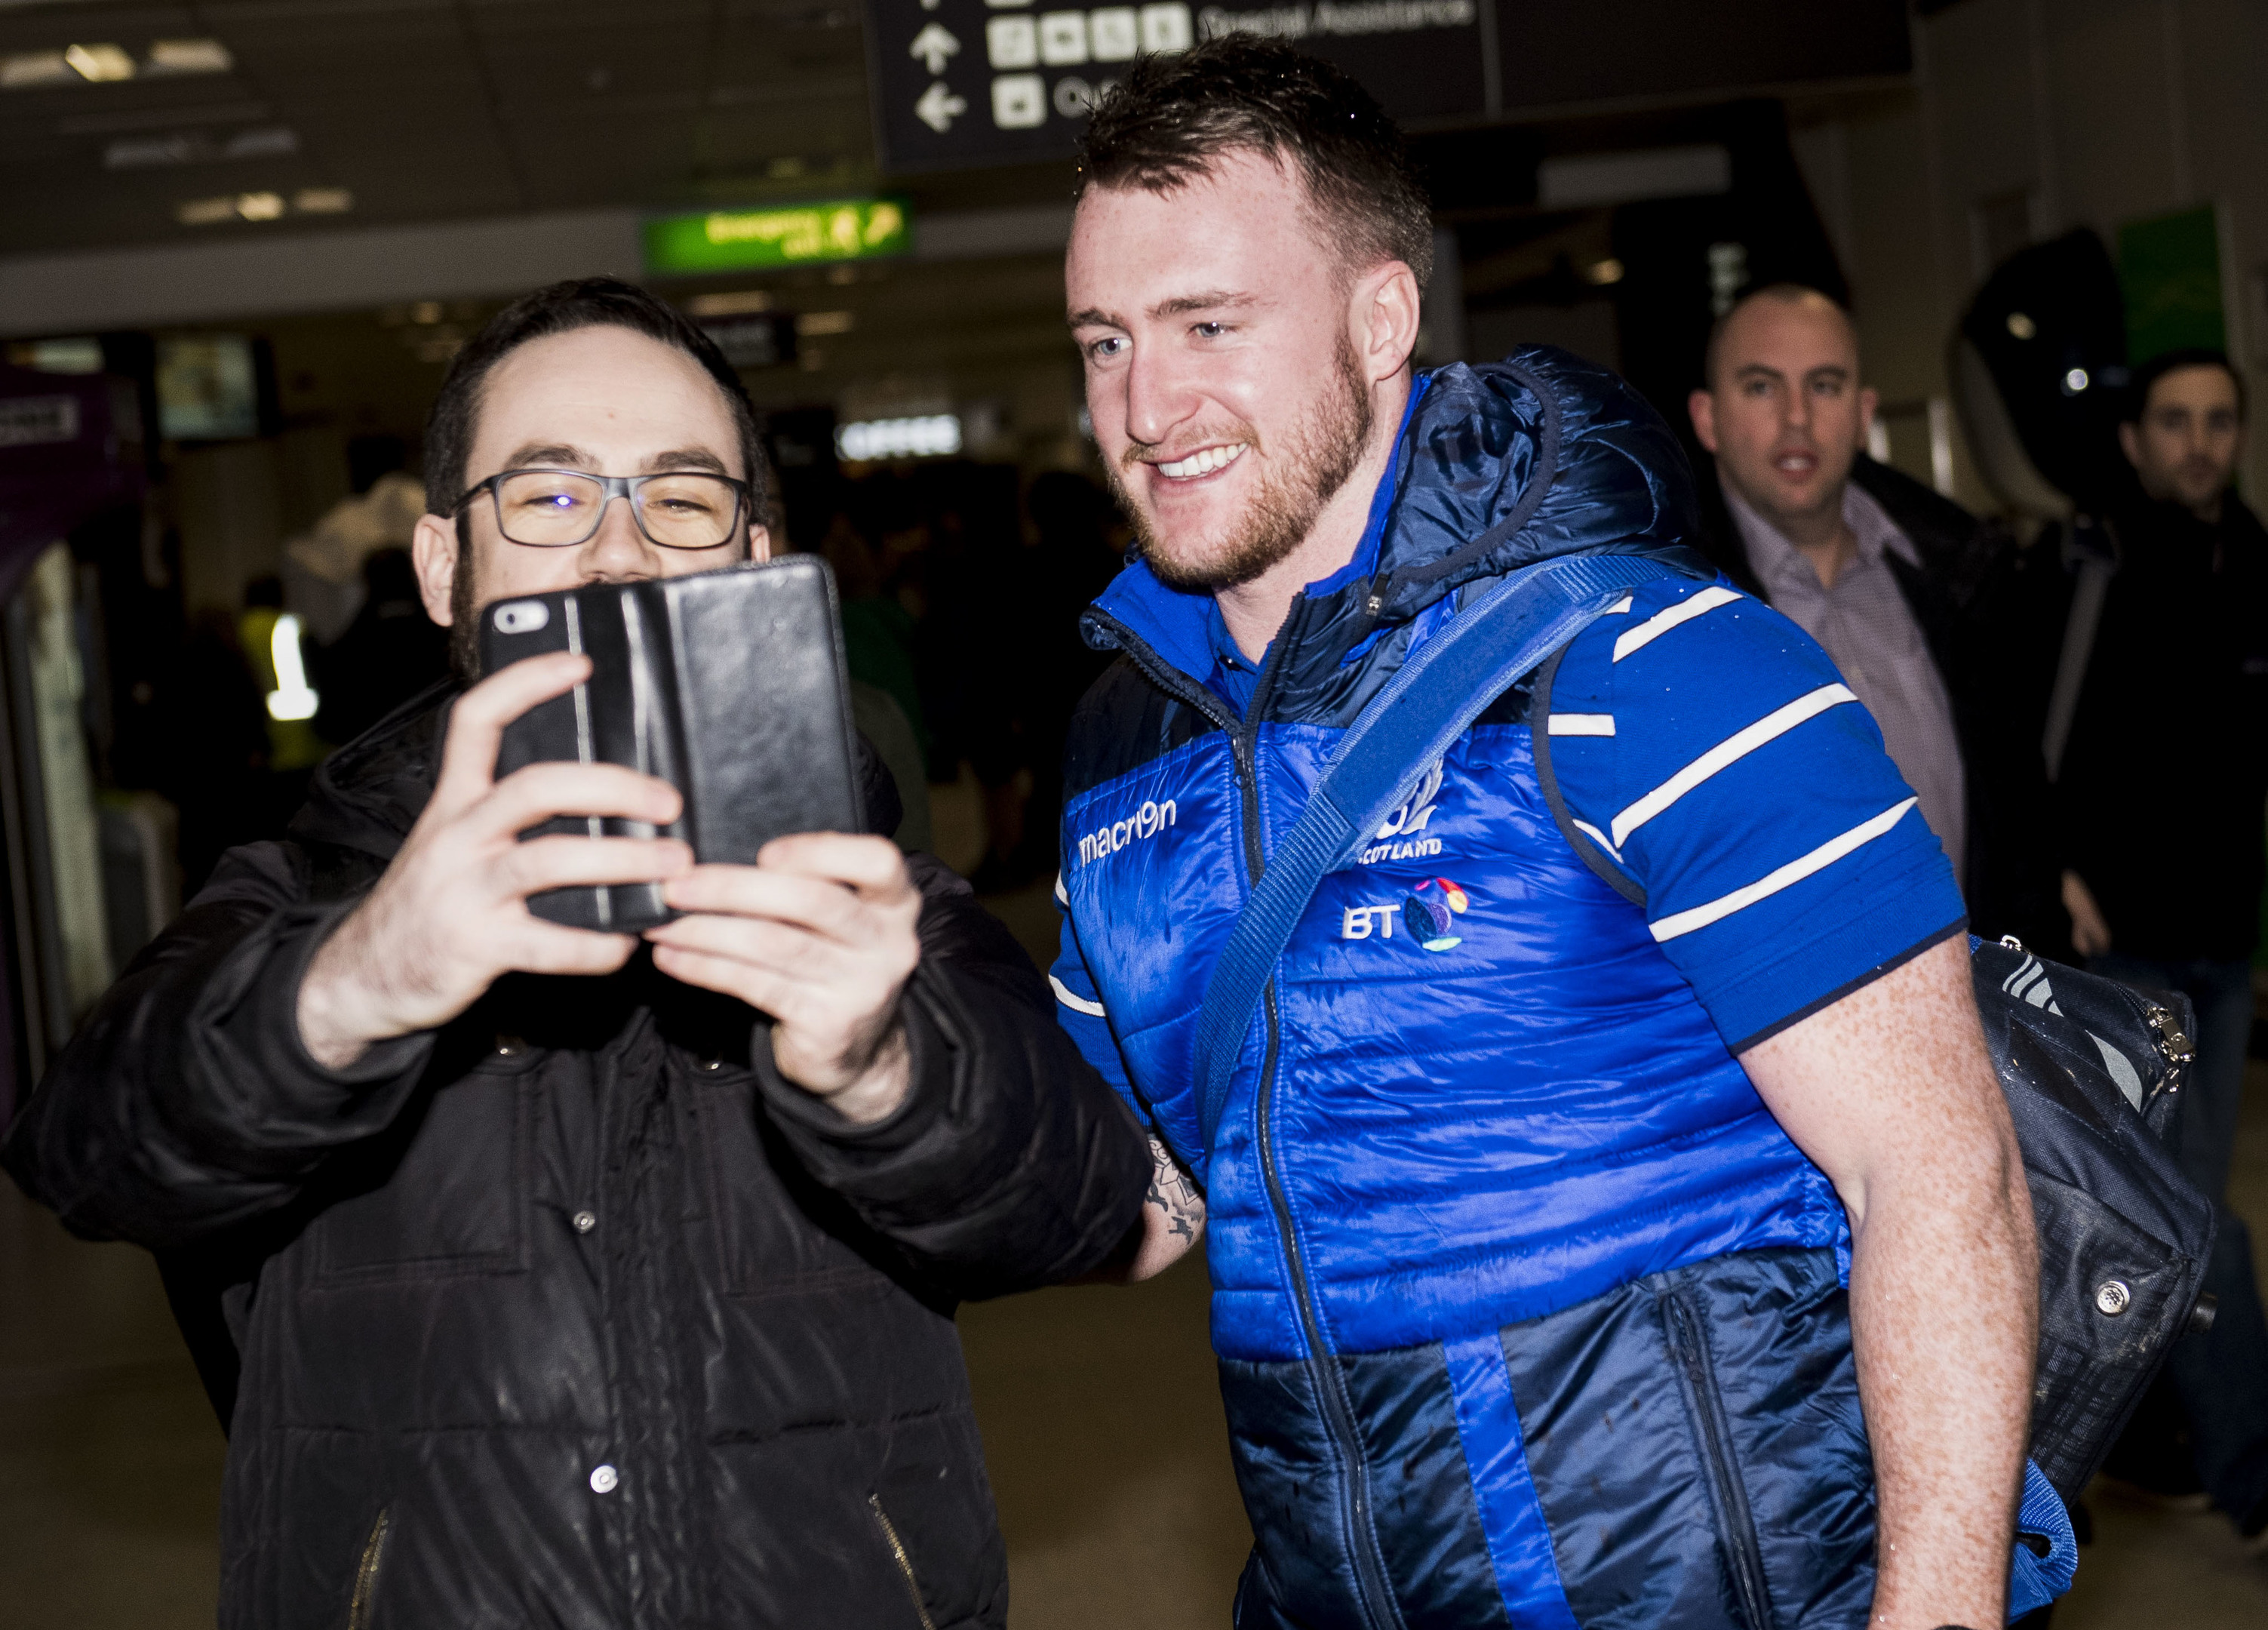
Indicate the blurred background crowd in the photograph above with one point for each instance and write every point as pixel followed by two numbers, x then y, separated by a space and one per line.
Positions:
pixel 1960 305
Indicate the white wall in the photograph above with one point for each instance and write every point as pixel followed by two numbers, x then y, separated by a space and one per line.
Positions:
pixel 2103 112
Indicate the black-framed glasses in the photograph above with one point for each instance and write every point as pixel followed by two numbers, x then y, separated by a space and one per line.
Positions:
pixel 560 508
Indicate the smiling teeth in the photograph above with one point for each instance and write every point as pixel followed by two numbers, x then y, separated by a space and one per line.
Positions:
pixel 1203 463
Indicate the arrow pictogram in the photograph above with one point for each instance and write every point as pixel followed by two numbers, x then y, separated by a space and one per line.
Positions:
pixel 935 46
pixel 939 106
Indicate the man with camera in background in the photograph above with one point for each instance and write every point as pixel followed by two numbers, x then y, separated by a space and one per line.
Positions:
pixel 566 1279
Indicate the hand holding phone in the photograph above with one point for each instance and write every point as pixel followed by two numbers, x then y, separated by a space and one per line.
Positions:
pixel 449 915
pixel 730 685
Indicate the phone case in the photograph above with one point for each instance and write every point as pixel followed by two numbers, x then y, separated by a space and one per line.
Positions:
pixel 730 685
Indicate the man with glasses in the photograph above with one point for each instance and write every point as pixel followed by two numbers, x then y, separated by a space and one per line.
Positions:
pixel 563 1278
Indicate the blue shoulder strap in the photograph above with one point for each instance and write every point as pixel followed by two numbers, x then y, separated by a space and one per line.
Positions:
pixel 1446 683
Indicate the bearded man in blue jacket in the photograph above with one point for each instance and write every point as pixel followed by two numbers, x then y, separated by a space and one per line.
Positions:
pixel 1633 1237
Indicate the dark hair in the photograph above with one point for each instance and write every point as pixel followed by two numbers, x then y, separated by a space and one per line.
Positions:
pixel 2145 379
pixel 1172 117
pixel 561 308
pixel 1787 293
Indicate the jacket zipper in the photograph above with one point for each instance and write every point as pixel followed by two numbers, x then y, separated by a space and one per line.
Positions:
pixel 905 1563
pixel 365 1601
pixel 1378 1606
pixel 1735 1525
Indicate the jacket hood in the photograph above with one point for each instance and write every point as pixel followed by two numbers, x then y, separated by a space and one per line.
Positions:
pixel 367 796
pixel 1498 465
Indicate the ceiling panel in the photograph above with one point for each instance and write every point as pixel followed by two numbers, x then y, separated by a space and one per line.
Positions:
pixel 434 109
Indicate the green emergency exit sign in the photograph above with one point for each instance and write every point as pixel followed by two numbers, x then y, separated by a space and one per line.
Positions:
pixel 842 229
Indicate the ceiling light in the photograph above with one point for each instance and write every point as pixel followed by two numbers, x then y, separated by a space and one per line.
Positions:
pixel 426 311
pixel 811 324
pixel 274 141
pixel 79 354
pixel 930 435
pixel 259 206
pixel 1604 272
pixel 323 201
pixel 27 69
pixel 205 211
pixel 734 304
pixel 138 152
pixel 142 152
pixel 98 63
pixel 189 56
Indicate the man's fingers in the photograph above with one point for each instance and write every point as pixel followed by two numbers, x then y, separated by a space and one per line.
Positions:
pixel 795 952
pixel 477 721
pixel 871 865
pixel 538 793
pixel 554 948
pixel 820 905
pixel 760 989
pixel 563 862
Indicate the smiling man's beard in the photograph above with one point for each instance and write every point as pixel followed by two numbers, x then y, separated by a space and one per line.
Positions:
pixel 1318 454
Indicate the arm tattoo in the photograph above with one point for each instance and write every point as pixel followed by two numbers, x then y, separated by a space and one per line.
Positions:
pixel 1173 1192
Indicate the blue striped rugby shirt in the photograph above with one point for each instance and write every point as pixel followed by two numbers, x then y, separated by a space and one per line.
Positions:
pixel 1708 746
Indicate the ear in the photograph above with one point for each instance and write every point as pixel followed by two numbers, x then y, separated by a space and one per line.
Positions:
pixel 2130 443
pixel 433 553
pixel 760 543
pixel 1384 313
pixel 1870 403
pixel 1702 407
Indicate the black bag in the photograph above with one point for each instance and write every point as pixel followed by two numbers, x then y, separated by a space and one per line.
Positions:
pixel 730 685
pixel 2094 1071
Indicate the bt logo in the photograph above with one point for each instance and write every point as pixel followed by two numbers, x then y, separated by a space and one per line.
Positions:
pixel 1424 916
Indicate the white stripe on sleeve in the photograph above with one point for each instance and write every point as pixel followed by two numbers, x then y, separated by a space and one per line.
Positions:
pixel 1061 897
pixel 1795 872
pixel 1077 1004
pixel 1729 751
pixel 1600 838
pixel 1662 621
pixel 1581 725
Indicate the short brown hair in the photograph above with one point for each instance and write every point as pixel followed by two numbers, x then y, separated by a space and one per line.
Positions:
pixel 1172 117
pixel 561 308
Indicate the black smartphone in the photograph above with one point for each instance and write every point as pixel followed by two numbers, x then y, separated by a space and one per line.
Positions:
pixel 730 685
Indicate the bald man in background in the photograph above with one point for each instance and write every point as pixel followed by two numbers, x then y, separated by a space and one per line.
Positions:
pixel 1887 575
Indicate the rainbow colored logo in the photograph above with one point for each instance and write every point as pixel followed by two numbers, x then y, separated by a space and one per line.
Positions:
pixel 1428 921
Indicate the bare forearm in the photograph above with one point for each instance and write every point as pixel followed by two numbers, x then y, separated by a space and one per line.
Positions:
pixel 1943 1293
pixel 1892 1092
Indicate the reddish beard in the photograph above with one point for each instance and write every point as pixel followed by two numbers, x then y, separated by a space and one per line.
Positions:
pixel 1319 453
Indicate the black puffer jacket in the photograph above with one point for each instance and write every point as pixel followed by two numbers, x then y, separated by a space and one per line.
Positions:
pixel 574 1314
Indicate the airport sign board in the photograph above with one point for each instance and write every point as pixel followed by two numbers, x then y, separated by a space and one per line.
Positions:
pixel 961 83
pixel 802 234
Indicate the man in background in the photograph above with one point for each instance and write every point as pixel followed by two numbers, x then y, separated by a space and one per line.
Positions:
pixel 2160 805
pixel 1880 570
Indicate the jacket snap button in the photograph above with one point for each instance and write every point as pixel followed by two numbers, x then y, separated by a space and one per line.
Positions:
pixel 2111 1298
pixel 604 1479
pixel 509 1046
pixel 712 1063
pixel 585 1220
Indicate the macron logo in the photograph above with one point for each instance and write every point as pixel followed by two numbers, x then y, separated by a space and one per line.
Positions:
pixel 1105 841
